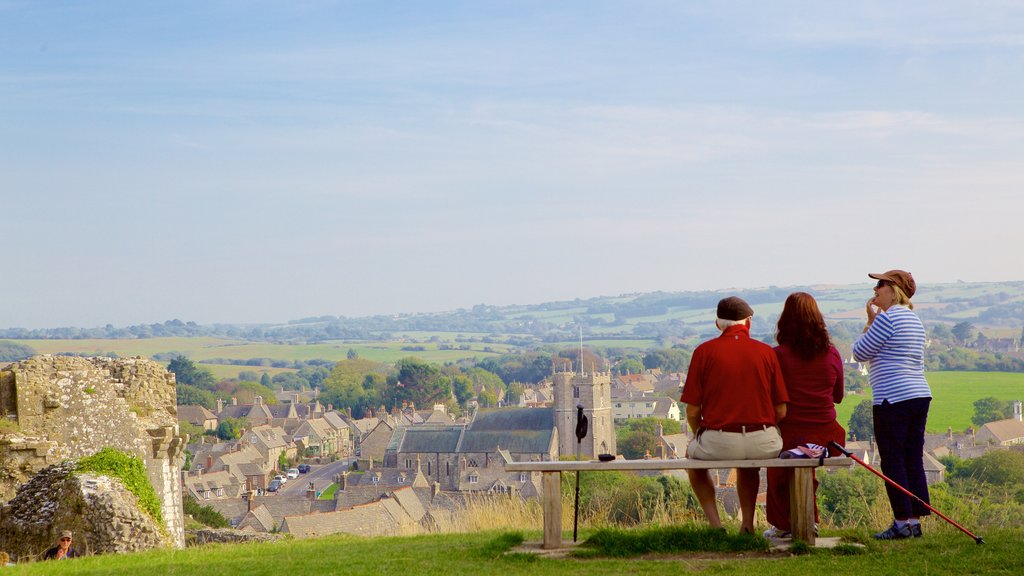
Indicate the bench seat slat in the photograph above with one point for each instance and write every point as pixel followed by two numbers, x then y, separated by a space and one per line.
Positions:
pixel 670 464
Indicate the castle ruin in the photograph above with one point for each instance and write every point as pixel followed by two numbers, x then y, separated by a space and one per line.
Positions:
pixel 59 407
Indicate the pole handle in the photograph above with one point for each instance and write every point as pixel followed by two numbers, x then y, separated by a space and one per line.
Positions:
pixel 834 444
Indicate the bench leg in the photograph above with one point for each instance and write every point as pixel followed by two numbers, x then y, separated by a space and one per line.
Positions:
pixel 801 504
pixel 552 501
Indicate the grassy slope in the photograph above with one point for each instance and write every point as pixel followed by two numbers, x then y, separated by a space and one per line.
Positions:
pixel 939 553
pixel 953 396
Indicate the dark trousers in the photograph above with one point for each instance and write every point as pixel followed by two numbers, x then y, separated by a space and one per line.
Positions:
pixel 899 432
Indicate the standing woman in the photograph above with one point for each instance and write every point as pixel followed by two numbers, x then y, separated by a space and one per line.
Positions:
pixel 893 343
pixel 813 371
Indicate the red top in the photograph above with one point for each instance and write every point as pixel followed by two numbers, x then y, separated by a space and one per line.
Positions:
pixel 814 386
pixel 735 380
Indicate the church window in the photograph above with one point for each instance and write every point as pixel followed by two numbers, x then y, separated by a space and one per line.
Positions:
pixel 473 478
pixel 575 391
pixel 522 477
pixel 472 464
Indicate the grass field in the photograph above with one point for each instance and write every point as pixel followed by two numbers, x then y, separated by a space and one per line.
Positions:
pixel 482 554
pixel 953 396
pixel 200 349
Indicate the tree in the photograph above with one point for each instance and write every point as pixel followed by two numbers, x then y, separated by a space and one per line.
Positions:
pixel 192 396
pixel 848 497
pixel 352 354
pixel 941 332
pixel 186 372
pixel 962 332
pixel 998 467
pixel 418 382
pixel 629 366
pixel 265 380
pixel 355 384
pixel 862 422
pixel 231 428
pixel 246 393
pixel 248 375
pixel 462 387
pixel 638 444
pixel 668 359
pixel 14 351
pixel 990 409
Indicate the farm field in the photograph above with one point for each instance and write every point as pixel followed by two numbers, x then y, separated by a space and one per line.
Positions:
pixel 200 349
pixel 953 396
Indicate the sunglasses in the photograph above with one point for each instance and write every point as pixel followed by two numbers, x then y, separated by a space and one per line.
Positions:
pixel 65 539
pixel 882 283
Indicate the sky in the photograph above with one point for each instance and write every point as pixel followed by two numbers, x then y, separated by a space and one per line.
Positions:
pixel 247 161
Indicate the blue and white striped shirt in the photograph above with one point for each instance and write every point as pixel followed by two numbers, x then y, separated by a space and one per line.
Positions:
pixel 894 346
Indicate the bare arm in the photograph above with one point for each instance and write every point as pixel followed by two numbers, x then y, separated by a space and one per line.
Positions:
pixel 693 417
pixel 780 412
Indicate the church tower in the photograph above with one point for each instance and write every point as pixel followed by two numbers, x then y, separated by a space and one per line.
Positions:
pixel 592 390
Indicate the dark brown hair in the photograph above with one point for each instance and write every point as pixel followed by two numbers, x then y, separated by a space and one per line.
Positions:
pixel 801 326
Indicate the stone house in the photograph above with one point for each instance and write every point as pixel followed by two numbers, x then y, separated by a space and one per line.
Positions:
pixel 258 519
pixel 271 442
pixel 641 406
pixel 375 442
pixel 198 416
pixel 221 484
pixel 256 413
pixel 316 438
pixel 1001 432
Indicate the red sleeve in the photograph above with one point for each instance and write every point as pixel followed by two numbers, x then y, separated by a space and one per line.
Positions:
pixel 693 389
pixel 839 388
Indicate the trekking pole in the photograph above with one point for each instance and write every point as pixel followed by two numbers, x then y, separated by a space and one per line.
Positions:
pixel 581 432
pixel 893 483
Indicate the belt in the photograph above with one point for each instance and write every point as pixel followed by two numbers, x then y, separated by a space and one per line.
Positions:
pixel 743 428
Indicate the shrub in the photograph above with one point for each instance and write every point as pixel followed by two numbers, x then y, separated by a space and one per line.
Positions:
pixel 204 514
pixel 131 471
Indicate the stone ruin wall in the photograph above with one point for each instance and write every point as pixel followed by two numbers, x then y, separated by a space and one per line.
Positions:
pixel 68 407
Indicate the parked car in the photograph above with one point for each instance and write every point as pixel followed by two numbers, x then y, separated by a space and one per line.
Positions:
pixel 293 473
pixel 281 479
pixel 303 468
pixel 274 485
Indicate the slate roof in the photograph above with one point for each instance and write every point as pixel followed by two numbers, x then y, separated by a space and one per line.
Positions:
pixel 335 420
pixel 518 430
pixel 1007 430
pixel 197 415
pixel 428 439
pixel 259 520
pixel 394 513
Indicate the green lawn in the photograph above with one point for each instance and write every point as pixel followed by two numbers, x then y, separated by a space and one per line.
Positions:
pixel 939 553
pixel 953 396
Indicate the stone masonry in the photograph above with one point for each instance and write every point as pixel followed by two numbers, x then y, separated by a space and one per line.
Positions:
pixel 104 516
pixel 61 407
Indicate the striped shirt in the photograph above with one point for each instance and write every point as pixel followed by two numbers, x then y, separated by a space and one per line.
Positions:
pixel 894 346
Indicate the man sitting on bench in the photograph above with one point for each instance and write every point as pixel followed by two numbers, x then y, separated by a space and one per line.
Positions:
pixel 734 396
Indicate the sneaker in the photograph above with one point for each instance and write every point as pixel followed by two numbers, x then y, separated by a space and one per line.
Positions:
pixel 915 530
pixel 775 533
pixel 895 532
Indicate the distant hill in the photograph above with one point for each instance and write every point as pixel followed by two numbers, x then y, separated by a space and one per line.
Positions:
pixel 666 316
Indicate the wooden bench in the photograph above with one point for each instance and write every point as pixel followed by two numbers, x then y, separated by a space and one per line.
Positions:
pixel 801 489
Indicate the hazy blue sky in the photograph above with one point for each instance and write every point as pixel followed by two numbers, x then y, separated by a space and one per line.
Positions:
pixel 246 161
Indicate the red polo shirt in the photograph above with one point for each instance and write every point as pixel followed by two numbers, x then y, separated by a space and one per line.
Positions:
pixel 735 380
